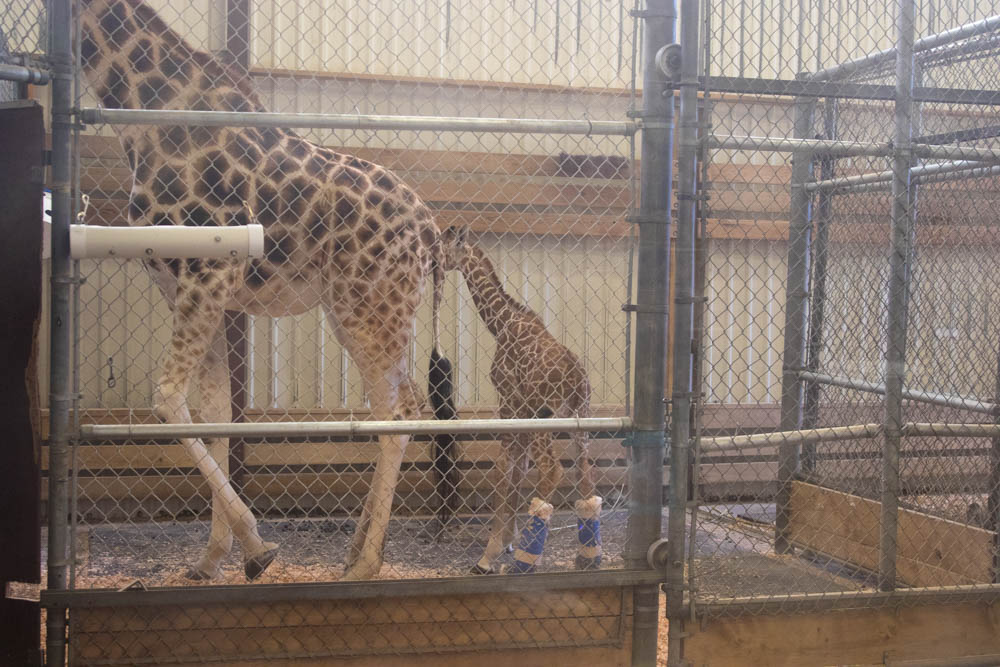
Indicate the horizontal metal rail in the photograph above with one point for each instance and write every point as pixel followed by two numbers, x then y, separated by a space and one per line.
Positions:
pixel 947 400
pixel 804 602
pixel 783 144
pixel 21 74
pixel 347 590
pixel 801 437
pixel 848 182
pixel 356 122
pixel 353 428
pixel 944 177
pixel 835 147
pixel 917 429
pixel 927 43
pixel 845 90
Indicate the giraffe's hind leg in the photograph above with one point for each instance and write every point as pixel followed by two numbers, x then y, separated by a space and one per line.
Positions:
pixel 393 397
pixel 197 323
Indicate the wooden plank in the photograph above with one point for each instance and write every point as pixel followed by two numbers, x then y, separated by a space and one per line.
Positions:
pixel 931 551
pixel 279 632
pixel 874 636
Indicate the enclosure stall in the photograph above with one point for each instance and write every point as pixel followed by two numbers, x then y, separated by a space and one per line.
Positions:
pixel 864 466
pixel 803 191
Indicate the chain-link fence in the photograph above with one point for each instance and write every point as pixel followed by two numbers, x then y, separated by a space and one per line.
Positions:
pixel 850 315
pixel 443 190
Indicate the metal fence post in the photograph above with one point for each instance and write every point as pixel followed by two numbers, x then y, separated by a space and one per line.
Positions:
pixel 796 315
pixel 824 217
pixel 899 279
pixel 993 500
pixel 683 344
pixel 646 470
pixel 60 388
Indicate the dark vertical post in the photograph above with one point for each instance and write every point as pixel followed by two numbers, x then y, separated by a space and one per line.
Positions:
pixel 60 397
pixel 824 217
pixel 681 399
pixel 653 218
pixel 899 294
pixel 796 316
pixel 236 324
pixel 22 133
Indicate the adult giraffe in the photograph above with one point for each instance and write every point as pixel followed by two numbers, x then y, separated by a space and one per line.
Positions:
pixel 340 233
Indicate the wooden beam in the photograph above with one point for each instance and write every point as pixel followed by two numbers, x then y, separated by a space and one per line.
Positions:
pixel 866 636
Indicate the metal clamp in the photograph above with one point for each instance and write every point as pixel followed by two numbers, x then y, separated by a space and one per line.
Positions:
pixel 645 440
pixel 636 308
pixel 653 218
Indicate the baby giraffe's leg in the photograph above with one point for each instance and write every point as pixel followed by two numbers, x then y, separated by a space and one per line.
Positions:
pixel 588 507
pixel 197 319
pixel 533 536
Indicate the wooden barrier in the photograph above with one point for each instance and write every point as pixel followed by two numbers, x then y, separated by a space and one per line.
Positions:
pixel 930 551
pixel 877 636
pixel 568 627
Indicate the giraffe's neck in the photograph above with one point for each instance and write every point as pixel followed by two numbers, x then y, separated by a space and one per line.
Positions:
pixel 496 308
pixel 135 61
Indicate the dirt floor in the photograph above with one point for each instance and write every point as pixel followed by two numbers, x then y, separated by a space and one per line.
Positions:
pixel 732 553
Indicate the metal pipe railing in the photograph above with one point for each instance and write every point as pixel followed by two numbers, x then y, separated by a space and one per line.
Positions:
pixel 356 122
pixel 60 346
pixel 799 254
pixel 849 182
pixel 353 428
pixel 900 263
pixel 21 74
pixel 847 148
pixel 923 44
pixel 946 400
pixel 682 321
pixel 645 469
pixel 796 437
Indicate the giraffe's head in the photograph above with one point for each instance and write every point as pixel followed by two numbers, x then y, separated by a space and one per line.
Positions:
pixel 455 247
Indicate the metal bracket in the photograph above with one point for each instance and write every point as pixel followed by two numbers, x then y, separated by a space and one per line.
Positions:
pixel 645 440
pixel 685 300
pixel 636 308
pixel 647 14
pixel 654 218
pixel 683 196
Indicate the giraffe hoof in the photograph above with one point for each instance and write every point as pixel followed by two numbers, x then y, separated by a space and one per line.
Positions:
pixel 195 574
pixel 254 567
pixel 584 563
pixel 478 569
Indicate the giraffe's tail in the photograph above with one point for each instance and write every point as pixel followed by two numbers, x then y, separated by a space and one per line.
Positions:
pixel 441 392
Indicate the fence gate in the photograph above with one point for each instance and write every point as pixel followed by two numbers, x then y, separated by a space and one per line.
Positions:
pixel 837 250
pixel 220 409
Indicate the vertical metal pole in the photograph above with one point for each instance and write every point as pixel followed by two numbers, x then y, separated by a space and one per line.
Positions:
pixel 993 500
pixel 646 471
pixel 899 279
pixel 796 313
pixel 824 216
pixel 237 324
pixel 684 256
pixel 60 397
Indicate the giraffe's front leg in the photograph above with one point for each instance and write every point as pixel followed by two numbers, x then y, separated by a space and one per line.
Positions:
pixel 196 323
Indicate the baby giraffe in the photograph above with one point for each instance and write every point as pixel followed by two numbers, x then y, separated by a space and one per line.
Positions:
pixel 535 376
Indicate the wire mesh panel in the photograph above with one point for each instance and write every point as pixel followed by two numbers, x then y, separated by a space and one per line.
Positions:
pixel 808 517
pixel 536 220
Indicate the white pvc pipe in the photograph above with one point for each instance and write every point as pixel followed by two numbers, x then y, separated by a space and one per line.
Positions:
pixel 97 242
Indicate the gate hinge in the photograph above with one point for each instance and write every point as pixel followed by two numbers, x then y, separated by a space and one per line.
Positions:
pixel 645 440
